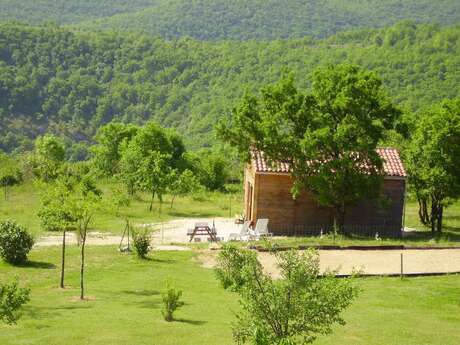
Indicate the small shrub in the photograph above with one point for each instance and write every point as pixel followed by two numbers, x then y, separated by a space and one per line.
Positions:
pixel 15 242
pixel 230 264
pixel 141 241
pixel 12 297
pixel 171 302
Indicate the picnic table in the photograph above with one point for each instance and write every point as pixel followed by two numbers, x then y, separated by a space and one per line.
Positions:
pixel 202 229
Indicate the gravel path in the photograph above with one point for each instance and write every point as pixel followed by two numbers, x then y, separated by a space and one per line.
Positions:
pixel 345 261
pixel 378 262
pixel 174 231
pixel 384 262
pixel 98 239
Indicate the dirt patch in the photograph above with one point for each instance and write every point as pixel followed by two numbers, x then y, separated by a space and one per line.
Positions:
pixel 207 258
pixel 170 247
pixel 98 239
pixel 378 262
pixel 174 231
pixel 86 299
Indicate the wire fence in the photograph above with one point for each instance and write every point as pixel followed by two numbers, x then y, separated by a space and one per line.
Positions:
pixel 300 230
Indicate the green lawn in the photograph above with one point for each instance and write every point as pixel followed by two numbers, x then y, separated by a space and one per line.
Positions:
pixel 126 301
pixel 23 205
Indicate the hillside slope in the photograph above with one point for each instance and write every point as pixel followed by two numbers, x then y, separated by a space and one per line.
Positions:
pixel 65 11
pixel 236 20
pixel 71 83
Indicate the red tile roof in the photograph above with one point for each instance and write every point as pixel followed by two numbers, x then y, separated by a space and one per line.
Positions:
pixel 392 164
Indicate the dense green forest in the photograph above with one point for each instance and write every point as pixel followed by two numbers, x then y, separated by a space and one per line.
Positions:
pixel 236 20
pixel 53 79
pixel 64 11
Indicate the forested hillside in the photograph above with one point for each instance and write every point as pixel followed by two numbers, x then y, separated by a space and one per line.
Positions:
pixel 65 11
pixel 236 20
pixel 52 79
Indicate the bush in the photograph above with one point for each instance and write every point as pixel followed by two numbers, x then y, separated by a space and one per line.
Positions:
pixel 171 302
pixel 12 298
pixel 15 242
pixel 141 243
pixel 306 302
pixel 230 264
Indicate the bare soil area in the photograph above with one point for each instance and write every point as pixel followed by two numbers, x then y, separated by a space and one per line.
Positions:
pixel 165 233
pixel 378 262
pixel 384 262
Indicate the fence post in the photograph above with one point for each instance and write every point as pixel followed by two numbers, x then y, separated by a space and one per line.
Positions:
pixel 402 266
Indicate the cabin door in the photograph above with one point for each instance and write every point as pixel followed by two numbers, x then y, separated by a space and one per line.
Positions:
pixel 250 191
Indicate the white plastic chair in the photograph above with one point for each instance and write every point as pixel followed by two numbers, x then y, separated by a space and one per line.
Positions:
pixel 243 235
pixel 261 229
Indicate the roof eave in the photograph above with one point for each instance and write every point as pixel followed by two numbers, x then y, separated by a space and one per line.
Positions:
pixel 386 177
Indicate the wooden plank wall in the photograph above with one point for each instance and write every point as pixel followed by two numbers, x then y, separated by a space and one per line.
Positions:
pixel 273 200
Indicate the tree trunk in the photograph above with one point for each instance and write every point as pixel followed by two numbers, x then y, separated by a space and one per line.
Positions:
pixel 440 216
pixel 172 201
pixel 63 259
pixel 6 192
pixel 131 189
pixel 78 235
pixel 434 212
pixel 342 221
pixel 339 219
pixel 151 202
pixel 82 268
pixel 423 211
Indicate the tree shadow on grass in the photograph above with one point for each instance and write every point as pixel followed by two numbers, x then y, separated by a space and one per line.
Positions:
pixel 191 322
pixel 452 217
pixel 41 326
pixel 164 261
pixel 450 234
pixel 142 292
pixel 149 304
pixel 39 313
pixel 37 264
pixel 72 307
pixel 46 313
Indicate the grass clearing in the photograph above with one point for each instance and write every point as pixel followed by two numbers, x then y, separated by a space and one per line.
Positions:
pixel 125 304
pixel 24 203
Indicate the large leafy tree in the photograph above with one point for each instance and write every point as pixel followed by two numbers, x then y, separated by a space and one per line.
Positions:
pixel 213 169
pixel 148 160
pixel 155 175
pixel 433 161
pixel 328 135
pixel 109 138
pixel 292 310
pixel 49 157
pixel 182 184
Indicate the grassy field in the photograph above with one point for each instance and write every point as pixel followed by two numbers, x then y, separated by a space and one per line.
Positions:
pixel 125 304
pixel 24 203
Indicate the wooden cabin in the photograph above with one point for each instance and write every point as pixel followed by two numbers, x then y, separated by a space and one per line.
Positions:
pixel 268 195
